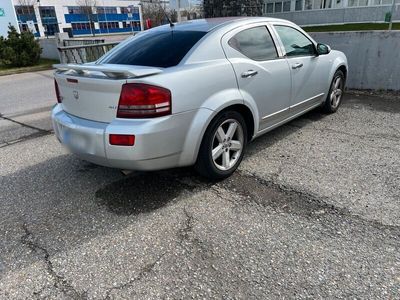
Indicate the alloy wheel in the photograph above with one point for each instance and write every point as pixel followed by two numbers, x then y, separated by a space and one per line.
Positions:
pixel 336 92
pixel 227 144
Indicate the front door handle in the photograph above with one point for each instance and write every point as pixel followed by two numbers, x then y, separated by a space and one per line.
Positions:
pixel 297 65
pixel 249 73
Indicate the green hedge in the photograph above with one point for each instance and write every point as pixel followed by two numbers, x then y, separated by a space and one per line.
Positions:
pixel 19 49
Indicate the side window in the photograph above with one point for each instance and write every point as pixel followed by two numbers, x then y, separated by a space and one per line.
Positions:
pixel 255 43
pixel 295 43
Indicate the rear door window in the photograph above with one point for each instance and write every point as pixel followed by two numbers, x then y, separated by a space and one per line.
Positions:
pixel 158 49
pixel 255 43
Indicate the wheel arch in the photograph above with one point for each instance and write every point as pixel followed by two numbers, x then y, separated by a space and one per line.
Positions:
pixel 339 63
pixel 192 147
pixel 343 68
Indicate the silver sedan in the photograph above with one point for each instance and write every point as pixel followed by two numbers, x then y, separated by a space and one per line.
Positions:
pixel 194 93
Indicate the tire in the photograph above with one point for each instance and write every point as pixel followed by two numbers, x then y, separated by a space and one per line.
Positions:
pixel 335 95
pixel 228 147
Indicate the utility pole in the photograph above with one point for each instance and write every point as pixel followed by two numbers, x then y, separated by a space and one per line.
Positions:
pixel 179 11
pixel 105 16
pixel 391 14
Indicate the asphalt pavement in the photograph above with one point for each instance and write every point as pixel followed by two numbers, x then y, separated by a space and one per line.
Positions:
pixel 312 212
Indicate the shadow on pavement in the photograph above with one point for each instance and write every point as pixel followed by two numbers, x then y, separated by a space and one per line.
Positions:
pixel 142 192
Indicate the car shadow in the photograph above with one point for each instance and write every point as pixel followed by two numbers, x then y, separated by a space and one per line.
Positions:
pixel 143 192
pixel 282 132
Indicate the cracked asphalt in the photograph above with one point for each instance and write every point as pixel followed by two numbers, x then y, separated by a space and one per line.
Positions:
pixel 313 212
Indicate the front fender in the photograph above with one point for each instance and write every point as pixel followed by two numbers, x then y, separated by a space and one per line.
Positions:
pixel 339 59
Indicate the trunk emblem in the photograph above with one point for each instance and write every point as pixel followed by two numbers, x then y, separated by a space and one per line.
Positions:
pixel 76 95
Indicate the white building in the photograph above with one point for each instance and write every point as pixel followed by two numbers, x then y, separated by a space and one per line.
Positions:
pixel 52 16
pixel 313 12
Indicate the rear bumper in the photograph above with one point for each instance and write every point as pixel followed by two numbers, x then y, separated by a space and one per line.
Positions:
pixel 159 142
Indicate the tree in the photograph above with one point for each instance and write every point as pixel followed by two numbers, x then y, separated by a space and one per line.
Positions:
pixel 19 49
pixel 87 8
pixel 226 8
pixel 156 11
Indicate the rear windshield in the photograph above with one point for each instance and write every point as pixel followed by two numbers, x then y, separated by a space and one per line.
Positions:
pixel 159 49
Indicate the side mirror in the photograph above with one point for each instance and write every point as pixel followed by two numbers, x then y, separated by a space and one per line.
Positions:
pixel 323 49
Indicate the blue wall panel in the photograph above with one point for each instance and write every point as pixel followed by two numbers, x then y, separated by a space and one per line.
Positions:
pixel 69 18
pixel 104 30
pixel 24 18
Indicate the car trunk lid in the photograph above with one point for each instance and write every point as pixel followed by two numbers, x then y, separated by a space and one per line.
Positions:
pixel 92 91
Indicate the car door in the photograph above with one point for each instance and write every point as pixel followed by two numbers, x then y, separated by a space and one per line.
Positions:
pixel 262 73
pixel 308 71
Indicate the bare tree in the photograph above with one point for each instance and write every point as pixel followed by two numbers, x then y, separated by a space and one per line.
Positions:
pixel 157 11
pixel 29 5
pixel 225 8
pixel 88 8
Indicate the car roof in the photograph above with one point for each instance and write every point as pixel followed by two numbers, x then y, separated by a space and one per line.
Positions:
pixel 207 25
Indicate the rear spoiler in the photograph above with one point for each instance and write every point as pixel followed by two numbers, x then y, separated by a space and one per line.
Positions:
pixel 109 70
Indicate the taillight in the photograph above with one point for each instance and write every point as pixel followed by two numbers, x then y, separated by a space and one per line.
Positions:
pixel 140 100
pixel 59 98
pixel 122 139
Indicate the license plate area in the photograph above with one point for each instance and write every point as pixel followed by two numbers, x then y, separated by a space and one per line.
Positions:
pixel 77 141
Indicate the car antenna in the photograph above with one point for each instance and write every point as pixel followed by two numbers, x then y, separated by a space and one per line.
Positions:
pixel 165 14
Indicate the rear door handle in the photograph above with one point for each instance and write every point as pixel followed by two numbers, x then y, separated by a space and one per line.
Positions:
pixel 297 65
pixel 249 73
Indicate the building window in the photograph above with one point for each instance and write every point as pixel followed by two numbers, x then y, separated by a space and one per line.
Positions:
pixel 75 10
pixel 133 10
pixel 24 10
pixel 128 24
pixel 108 25
pixel 308 4
pixel 338 3
pixel 49 19
pixel 317 4
pixel 299 5
pixel 106 10
pixel 286 6
pixel 47 12
pixel 270 8
pixel 80 26
pixel 353 3
pixel 328 3
pixel 278 7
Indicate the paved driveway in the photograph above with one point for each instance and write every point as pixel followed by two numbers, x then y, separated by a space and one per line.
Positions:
pixel 313 212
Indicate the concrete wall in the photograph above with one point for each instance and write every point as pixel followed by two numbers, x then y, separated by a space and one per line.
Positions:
pixel 373 57
pixel 49 48
pixel 339 15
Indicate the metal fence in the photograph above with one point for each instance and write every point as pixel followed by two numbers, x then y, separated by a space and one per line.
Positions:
pixel 79 42
pixel 84 53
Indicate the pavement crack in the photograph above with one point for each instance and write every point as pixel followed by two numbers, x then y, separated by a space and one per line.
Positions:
pixel 59 281
pixel 142 273
pixel 293 201
pixel 25 125
pixel 190 243
pixel 25 138
pixel 184 232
